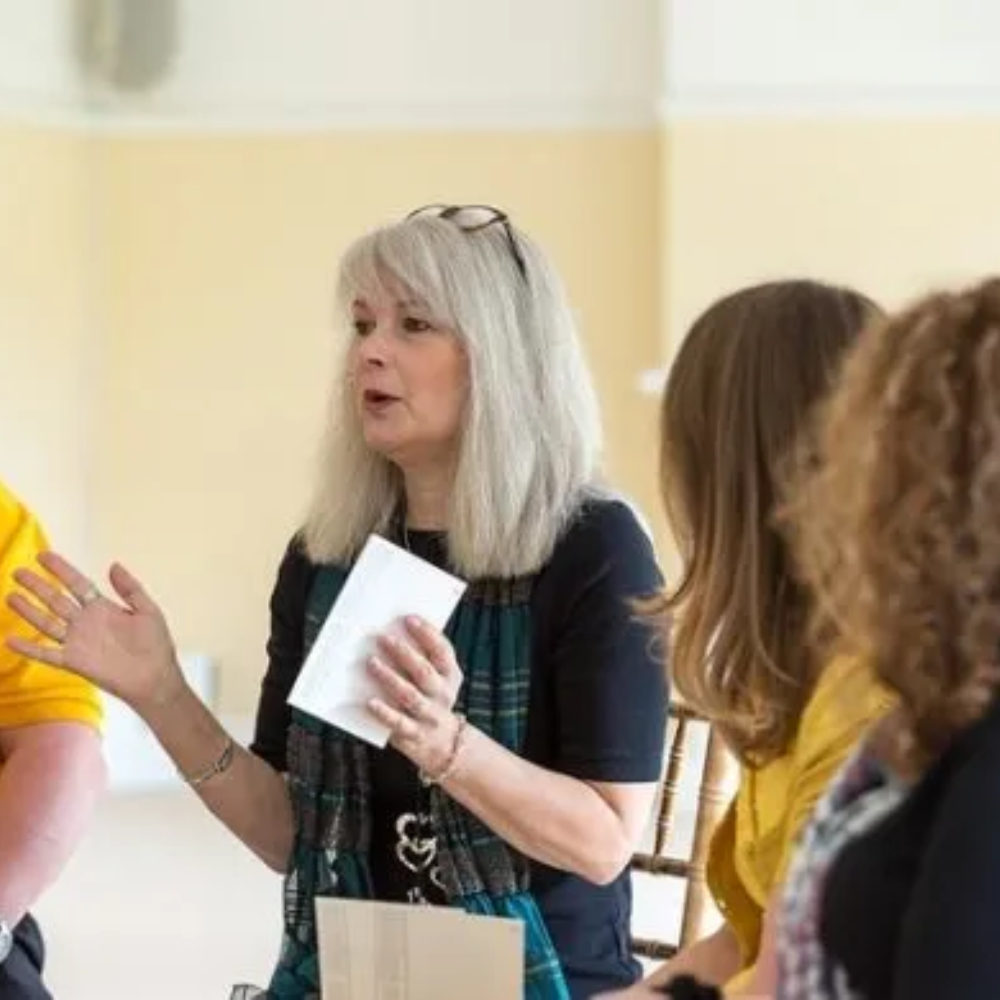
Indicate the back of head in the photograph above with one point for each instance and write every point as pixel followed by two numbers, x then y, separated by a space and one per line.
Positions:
pixel 530 439
pixel 738 402
pixel 897 525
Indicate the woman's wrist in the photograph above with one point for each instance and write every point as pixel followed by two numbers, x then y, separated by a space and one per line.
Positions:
pixel 448 759
pixel 170 699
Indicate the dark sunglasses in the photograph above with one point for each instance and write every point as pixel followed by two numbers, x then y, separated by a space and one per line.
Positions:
pixel 472 218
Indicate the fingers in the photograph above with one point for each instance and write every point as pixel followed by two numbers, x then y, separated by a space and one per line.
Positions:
pixel 49 625
pixel 78 584
pixel 52 597
pixel 53 655
pixel 411 663
pixel 131 591
pixel 433 645
pixel 398 723
pixel 402 694
pixel 128 588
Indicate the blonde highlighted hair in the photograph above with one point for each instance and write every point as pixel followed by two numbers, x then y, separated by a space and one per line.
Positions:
pixel 738 401
pixel 530 443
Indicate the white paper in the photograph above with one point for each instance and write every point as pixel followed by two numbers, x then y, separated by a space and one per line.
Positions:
pixel 390 951
pixel 386 584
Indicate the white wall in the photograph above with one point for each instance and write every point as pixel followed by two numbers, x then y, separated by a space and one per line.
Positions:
pixel 453 63
pixel 831 56
pixel 395 63
pixel 36 72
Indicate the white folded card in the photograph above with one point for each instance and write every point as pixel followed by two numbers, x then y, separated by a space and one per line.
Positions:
pixel 386 584
pixel 376 951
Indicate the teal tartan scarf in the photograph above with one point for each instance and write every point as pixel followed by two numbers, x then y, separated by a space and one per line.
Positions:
pixel 328 774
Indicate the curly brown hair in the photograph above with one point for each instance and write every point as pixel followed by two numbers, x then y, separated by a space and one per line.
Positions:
pixel 741 391
pixel 897 525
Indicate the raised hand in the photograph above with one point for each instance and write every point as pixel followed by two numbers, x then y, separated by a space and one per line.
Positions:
pixel 124 648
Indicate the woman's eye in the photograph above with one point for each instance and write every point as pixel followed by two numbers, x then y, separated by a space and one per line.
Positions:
pixel 362 327
pixel 413 325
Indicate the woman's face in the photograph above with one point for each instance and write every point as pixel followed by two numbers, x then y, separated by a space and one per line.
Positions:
pixel 410 379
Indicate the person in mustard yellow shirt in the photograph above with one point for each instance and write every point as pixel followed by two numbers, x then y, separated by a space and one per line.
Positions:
pixel 735 418
pixel 51 769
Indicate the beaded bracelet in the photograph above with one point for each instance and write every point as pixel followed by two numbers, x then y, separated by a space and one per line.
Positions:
pixel 451 765
pixel 222 764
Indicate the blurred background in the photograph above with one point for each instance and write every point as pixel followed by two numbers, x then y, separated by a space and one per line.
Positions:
pixel 177 180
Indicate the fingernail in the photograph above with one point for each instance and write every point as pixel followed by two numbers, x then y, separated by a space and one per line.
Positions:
pixel 416 622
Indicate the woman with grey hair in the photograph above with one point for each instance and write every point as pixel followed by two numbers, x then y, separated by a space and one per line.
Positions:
pixel 526 739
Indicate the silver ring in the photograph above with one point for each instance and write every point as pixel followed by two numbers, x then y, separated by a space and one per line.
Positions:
pixel 90 595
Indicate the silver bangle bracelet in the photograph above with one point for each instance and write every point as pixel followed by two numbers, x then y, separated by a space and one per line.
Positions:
pixel 218 767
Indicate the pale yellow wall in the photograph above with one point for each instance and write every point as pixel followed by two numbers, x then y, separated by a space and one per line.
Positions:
pixel 888 205
pixel 45 344
pixel 220 255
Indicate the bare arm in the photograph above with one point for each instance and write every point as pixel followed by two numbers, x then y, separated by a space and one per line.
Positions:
pixel 250 797
pixel 128 651
pixel 544 814
pixel 714 959
pixel 52 776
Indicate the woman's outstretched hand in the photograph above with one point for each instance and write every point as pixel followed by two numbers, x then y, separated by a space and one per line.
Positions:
pixel 124 648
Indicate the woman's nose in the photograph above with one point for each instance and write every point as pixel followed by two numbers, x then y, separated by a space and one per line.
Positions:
pixel 374 348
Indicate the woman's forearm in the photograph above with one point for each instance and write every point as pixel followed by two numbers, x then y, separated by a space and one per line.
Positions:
pixel 250 797
pixel 552 818
pixel 714 959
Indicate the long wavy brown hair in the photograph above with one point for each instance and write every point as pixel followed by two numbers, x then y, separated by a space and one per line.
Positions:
pixel 739 396
pixel 897 526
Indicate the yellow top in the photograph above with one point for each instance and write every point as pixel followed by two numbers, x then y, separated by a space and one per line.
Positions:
pixel 32 692
pixel 754 842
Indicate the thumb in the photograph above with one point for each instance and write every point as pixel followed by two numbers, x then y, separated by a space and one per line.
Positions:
pixel 131 591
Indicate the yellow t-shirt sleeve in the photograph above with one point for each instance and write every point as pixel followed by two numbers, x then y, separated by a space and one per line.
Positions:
pixel 846 702
pixel 32 692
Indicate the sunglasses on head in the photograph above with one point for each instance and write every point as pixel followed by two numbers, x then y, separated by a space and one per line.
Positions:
pixel 472 218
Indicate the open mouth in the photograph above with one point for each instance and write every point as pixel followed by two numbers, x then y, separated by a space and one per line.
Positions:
pixel 376 399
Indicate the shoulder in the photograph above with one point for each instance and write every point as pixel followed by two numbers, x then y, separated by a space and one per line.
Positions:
pixel 17 521
pixel 296 572
pixel 602 565
pixel 296 555
pixel 21 536
pixel 845 702
pixel 296 563
pixel 9 504
pixel 31 692
pixel 604 533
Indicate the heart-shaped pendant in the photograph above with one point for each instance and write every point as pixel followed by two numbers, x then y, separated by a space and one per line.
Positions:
pixel 414 851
